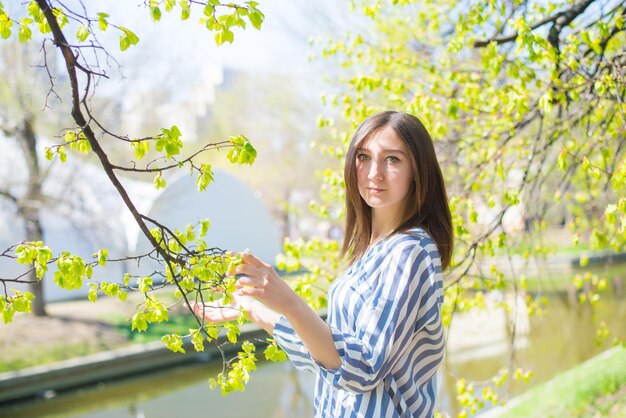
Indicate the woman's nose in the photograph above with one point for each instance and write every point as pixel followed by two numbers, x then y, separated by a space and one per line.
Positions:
pixel 376 171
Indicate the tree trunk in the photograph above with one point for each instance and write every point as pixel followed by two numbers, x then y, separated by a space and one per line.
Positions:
pixel 30 205
pixel 286 219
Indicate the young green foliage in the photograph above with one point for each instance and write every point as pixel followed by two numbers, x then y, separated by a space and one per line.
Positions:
pixel 189 264
pixel 242 151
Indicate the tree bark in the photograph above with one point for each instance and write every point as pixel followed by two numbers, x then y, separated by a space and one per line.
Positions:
pixel 29 208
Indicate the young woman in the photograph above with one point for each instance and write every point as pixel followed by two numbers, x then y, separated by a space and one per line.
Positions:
pixel 378 352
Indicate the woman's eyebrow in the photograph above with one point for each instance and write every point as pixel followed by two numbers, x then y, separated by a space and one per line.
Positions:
pixel 390 150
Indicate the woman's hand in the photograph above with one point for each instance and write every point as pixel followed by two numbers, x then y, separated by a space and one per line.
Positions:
pixel 259 280
pixel 218 312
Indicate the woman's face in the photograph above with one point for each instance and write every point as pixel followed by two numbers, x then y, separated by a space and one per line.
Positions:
pixel 384 171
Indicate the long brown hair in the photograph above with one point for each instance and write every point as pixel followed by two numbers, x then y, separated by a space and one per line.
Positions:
pixel 427 205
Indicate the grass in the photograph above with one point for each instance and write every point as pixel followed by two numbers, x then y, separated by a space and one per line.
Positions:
pixel 37 356
pixel 176 323
pixel 595 388
pixel 555 282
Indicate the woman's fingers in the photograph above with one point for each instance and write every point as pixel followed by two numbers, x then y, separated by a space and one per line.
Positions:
pixel 250 291
pixel 245 281
pixel 248 258
pixel 247 270
pixel 215 311
pixel 250 276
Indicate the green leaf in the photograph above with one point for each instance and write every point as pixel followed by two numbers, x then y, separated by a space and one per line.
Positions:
pixel 144 284
pixel 156 311
pixel 139 322
pixel 243 317
pixel 562 160
pixel 610 213
pixel 83 146
pixel 61 18
pixel 62 154
pixel 110 289
pixel 156 13
pixel 83 33
pixel 70 136
pixel 205 224
pixel 22 301
pixel 545 102
pixel 273 352
pixel 197 339
pixel 209 10
pixel 173 342
pixel 169 5
pixel 212 331
pixel 89 271
pixel 248 348
pixel 5 26
pixel 102 256
pixel 584 260
pixel 35 12
pixel 24 33
pixel 159 182
pixel 92 295
pixel 242 152
pixel 70 272
pixel 127 38
pixel 224 35
pixel 586 164
pixel 256 18
pixel 233 332
pixel 140 147
pixel 169 140
pixel 7 313
pixel 44 255
pixel 185 9
pixel 103 24
pixel 205 177
pixel 25 254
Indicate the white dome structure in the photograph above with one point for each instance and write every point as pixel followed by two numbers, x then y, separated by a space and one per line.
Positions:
pixel 239 221
pixel 91 216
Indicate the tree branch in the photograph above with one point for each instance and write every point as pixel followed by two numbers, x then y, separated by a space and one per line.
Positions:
pixel 71 65
pixel 564 20
pixel 561 19
pixel 10 196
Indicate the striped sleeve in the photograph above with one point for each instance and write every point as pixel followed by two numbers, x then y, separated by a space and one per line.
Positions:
pixel 405 299
pixel 290 342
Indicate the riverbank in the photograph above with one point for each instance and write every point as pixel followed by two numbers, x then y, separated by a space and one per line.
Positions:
pixel 71 329
pixel 82 344
pixel 103 326
pixel 595 388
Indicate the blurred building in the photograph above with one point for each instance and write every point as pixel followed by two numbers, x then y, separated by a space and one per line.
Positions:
pixel 82 213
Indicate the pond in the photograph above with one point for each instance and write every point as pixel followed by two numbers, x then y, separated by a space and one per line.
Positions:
pixel 557 341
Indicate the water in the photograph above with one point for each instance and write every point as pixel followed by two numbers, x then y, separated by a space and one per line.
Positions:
pixel 557 341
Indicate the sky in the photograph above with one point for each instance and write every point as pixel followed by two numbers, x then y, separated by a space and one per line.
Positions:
pixel 174 53
pixel 176 63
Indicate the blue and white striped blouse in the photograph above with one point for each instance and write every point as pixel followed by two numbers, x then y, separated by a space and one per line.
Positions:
pixel 385 317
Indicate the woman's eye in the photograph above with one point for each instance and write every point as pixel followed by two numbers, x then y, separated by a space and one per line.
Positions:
pixel 393 159
pixel 362 157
